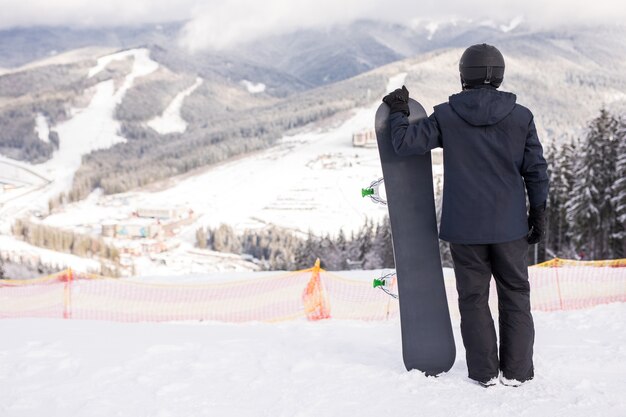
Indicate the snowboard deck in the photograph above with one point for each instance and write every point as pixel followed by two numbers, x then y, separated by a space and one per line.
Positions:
pixel 427 339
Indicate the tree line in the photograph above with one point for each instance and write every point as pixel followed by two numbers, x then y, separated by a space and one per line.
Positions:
pixel 586 208
pixel 18 139
pixel 275 248
pixel 48 90
pixel 217 131
pixel 64 240
pixel 25 267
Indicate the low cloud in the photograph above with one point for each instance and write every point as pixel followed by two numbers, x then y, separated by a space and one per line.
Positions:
pixel 227 23
pixel 237 21
pixel 224 23
pixel 90 13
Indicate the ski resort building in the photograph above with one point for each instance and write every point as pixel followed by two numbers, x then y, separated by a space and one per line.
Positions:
pixel 149 223
pixel 165 213
pixel 364 139
pixel 133 229
pixel 7 186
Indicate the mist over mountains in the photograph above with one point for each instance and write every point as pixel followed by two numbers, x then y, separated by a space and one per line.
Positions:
pixel 252 94
pixel 313 57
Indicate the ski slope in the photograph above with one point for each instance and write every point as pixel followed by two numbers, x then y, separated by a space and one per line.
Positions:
pixel 95 127
pixel 309 181
pixel 171 121
pixel 253 88
pixel 91 128
pixel 334 368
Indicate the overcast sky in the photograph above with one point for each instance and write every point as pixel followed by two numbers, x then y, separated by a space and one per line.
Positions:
pixel 220 23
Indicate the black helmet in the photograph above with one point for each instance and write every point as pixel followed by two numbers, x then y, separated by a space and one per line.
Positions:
pixel 481 64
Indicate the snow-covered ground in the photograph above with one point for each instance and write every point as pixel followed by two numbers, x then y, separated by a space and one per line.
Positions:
pixel 18 250
pixel 91 128
pixel 310 181
pixel 94 127
pixel 26 181
pixel 253 88
pixel 171 121
pixel 334 368
pixel 316 172
pixel 41 128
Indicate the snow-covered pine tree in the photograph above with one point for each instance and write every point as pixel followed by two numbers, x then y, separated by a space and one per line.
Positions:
pixel 561 161
pixel 589 209
pixel 618 237
pixel 341 242
pixel 306 254
pixel 373 259
pixel 352 252
pixel 360 245
pixel 553 203
pixel 383 237
pixel 201 238
pixel 331 255
pixel 225 239
pixel 341 245
pixel 365 239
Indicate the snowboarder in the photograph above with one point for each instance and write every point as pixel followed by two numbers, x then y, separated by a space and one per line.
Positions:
pixel 491 153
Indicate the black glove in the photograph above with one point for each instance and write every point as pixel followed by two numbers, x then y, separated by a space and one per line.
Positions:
pixel 398 101
pixel 536 222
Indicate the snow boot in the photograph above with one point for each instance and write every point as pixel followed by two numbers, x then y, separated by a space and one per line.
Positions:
pixel 489 383
pixel 512 382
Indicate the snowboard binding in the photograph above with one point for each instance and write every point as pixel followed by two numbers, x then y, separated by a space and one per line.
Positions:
pixel 385 283
pixel 373 192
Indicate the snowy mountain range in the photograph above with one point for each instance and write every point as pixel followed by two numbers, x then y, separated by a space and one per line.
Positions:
pixel 131 112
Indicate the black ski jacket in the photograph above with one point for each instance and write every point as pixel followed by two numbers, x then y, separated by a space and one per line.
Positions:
pixel 491 153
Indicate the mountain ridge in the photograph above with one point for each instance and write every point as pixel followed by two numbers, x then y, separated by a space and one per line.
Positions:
pixel 565 76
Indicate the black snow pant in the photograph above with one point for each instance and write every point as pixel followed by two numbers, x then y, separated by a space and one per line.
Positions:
pixel 473 267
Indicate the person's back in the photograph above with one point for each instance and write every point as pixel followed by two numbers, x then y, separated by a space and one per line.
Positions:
pixel 488 141
pixel 491 153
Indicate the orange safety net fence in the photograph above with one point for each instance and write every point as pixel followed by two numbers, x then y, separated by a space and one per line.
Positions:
pixel 311 294
pixel 81 296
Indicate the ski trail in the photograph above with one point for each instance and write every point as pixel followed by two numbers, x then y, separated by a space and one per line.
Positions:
pixel 93 127
pixel 396 81
pixel 309 181
pixel 41 128
pixel 171 121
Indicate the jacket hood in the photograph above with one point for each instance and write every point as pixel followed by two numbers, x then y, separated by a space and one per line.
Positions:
pixel 483 106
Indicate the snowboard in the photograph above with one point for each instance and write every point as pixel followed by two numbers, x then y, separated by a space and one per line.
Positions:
pixel 427 339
